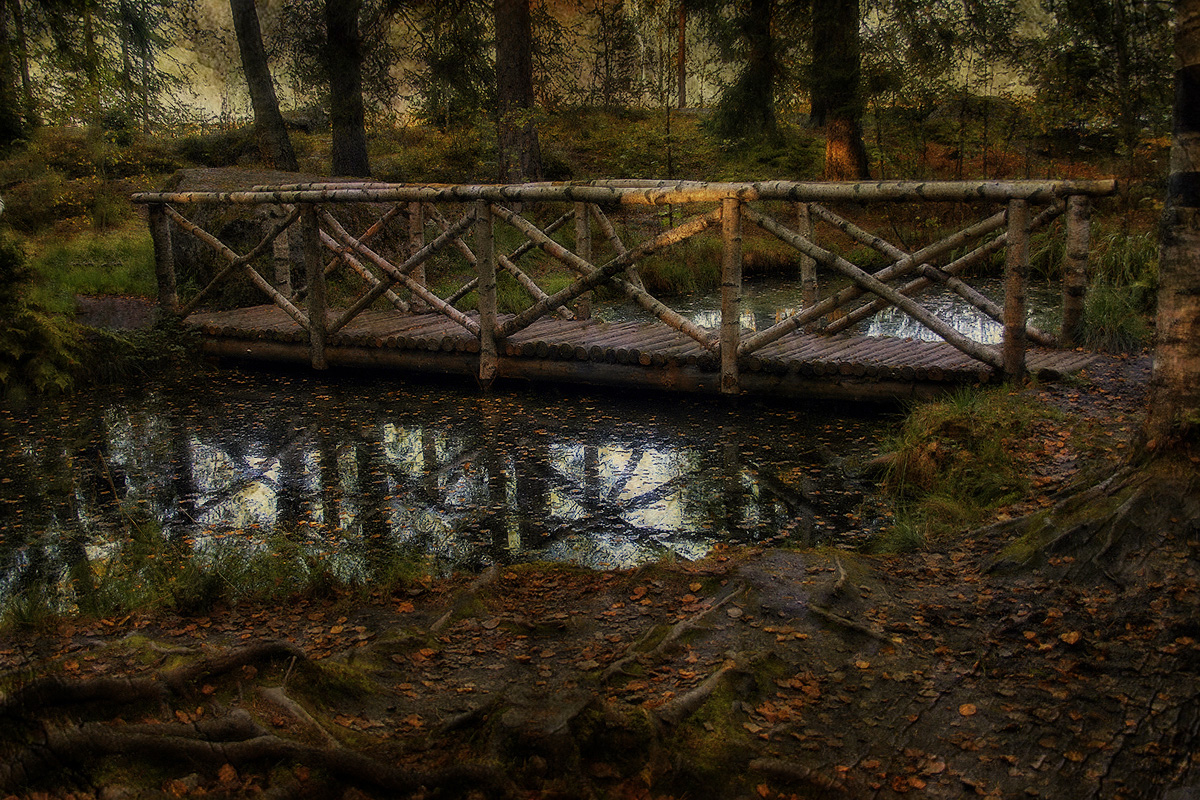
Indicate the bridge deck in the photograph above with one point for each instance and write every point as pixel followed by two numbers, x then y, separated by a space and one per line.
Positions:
pixel 622 353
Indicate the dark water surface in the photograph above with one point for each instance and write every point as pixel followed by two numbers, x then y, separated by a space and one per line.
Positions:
pixel 352 464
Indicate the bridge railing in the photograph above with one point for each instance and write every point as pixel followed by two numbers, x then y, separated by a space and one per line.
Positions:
pixel 1017 209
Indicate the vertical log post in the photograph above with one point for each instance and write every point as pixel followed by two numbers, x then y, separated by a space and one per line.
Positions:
pixel 1075 268
pixel 314 267
pixel 282 258
pixel 485 256
pixel 810 292
pixel 164 260
pixel 583 249
pixel 731 293
pixel 416 240
pixel 1016 274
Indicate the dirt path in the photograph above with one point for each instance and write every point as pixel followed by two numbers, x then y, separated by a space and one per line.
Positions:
pixel 768 673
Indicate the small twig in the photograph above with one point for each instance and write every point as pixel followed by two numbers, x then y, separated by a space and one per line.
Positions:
pixel 288 674
pixel 840 583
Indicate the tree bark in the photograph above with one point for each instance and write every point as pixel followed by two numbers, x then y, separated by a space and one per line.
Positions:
pixel 268 122
pixel 1174 414
pixel 10 117
pixel 681 55
pixel 520 153
pixel 29 113
pixel 344 55
pixel 91 62
pixel 761 68
pixel 836 99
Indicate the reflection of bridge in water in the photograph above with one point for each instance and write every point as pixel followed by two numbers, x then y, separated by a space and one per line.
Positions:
pixel 388 313
pixel 469 495
pixel 362 471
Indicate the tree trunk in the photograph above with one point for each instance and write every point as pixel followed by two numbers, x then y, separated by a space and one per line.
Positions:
pixel 268 122
pixel 520 153
pixel 1174 415
pixel 836 98
pixel 344 54
pixel 91 59
pixel 761 68
pixel 681 55
pixel 10 117
pixel 28 103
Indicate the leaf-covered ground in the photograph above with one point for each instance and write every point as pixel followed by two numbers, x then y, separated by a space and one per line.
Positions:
pixel 1065 667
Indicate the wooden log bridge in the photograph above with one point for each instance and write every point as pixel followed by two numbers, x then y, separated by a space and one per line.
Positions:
pixel 419 288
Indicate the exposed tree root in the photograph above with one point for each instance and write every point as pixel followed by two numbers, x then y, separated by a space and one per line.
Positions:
pixel 797 774
pixel 75 745
pixel 683 706
pixel 58 691
pixel 1102 525
pixel 182 678
pixel 857 627
pixel 677 631
pixel 279 698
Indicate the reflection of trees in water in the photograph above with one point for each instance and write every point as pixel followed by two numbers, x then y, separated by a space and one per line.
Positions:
pixel 486 479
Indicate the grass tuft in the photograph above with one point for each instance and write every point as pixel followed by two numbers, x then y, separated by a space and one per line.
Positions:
pixel 953 462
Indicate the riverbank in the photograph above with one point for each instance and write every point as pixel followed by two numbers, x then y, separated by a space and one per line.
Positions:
pixel 752 673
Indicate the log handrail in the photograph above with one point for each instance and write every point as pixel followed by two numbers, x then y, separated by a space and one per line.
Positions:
pixel 652 193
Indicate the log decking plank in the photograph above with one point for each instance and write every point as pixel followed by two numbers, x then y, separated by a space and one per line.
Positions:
pixel 625 353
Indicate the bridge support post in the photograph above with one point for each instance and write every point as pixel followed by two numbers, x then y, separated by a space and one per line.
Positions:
pixel 731 293
pixel 583 249
pixel 416 240
pixel 314 267
pixel 485 255
pixel 810 292
pixel 1074 280
pixel 1016 274
pixel 164 259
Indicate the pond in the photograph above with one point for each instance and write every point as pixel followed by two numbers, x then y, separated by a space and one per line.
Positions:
pixel 353 467
pixel 766 301
pixel 357 469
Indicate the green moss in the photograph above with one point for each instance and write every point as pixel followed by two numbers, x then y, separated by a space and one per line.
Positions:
pixel 334 681
pixel 1043 528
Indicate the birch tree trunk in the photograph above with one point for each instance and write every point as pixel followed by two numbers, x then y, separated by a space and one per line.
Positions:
pixel 343 61
pixel 1174 415
pixel 520 153
pixel 268 122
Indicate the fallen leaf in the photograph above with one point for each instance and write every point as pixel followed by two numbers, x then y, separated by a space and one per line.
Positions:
pixel 967 709
pixel 227 775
